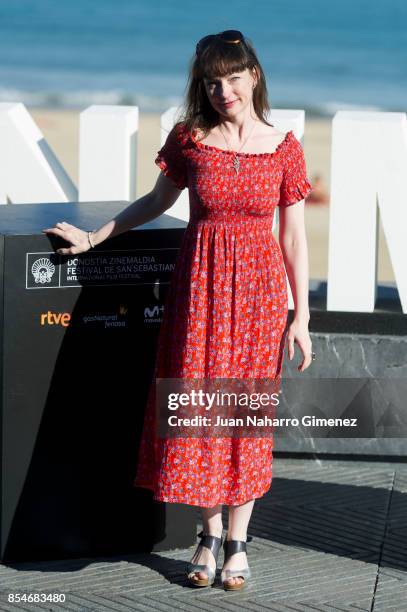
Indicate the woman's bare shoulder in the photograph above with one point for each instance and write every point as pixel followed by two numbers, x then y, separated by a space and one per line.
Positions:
pixel 270 131
pixel 269 137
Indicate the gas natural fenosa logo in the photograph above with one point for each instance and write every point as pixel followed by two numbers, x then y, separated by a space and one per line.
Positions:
pixel 43 270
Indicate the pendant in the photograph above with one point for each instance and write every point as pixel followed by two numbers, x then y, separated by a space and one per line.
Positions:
pixel 236 164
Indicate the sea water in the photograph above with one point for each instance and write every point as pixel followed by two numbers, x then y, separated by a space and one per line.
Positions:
pixel 317 55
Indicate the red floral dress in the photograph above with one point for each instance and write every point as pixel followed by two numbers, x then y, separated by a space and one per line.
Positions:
pixel 225 313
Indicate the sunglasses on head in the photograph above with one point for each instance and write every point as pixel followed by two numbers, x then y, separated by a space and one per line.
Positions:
pixel 228 36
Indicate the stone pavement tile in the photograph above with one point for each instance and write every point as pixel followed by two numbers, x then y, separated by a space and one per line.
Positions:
pixel 329 536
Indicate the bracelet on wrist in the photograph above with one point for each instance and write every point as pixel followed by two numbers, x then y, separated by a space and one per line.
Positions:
pixel 90 241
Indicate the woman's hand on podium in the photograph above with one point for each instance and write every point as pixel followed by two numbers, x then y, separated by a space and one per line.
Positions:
pixel 76 237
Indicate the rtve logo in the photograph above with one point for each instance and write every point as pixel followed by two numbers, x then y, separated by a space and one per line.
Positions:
pixel 55 318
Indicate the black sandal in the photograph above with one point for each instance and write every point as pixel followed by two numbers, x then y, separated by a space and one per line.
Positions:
pixel 213 544
pixel 232 547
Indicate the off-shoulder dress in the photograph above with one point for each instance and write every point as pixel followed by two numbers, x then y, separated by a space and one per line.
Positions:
pixel 225 314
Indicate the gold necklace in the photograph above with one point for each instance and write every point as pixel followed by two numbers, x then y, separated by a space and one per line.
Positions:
pixel 236 160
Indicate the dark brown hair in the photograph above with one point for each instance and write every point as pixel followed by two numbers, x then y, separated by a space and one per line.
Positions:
pixel 218 59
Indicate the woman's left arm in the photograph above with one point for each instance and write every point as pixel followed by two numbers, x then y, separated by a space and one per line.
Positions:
pixel 293 243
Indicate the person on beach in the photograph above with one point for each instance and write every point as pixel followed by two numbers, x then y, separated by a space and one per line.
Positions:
pixel 226 310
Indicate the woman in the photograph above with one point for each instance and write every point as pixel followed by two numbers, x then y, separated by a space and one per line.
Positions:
pixel 226 310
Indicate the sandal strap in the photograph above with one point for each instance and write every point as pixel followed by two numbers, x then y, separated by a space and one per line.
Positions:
pixel 241 573
pixel 194 568
pixel 248 539
pixel 231 547
pixel 213 543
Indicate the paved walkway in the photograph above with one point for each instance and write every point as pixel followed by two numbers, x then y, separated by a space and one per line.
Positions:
pixel 329 535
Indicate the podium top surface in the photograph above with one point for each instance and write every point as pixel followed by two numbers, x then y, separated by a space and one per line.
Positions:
pixel 29 219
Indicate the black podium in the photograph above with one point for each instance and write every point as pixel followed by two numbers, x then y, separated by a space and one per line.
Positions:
pixel 78 340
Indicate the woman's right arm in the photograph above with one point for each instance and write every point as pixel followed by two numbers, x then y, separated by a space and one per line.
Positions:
pixel 144 209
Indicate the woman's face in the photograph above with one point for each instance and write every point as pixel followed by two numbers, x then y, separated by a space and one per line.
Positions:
pixel 229 95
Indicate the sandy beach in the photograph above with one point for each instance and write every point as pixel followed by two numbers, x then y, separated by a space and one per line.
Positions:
pixel 61 130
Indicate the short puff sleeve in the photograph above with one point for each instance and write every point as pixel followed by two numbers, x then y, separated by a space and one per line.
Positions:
pixel 170 157
pixel 295 185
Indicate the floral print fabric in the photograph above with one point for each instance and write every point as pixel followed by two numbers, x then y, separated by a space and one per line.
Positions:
pixel 226 310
